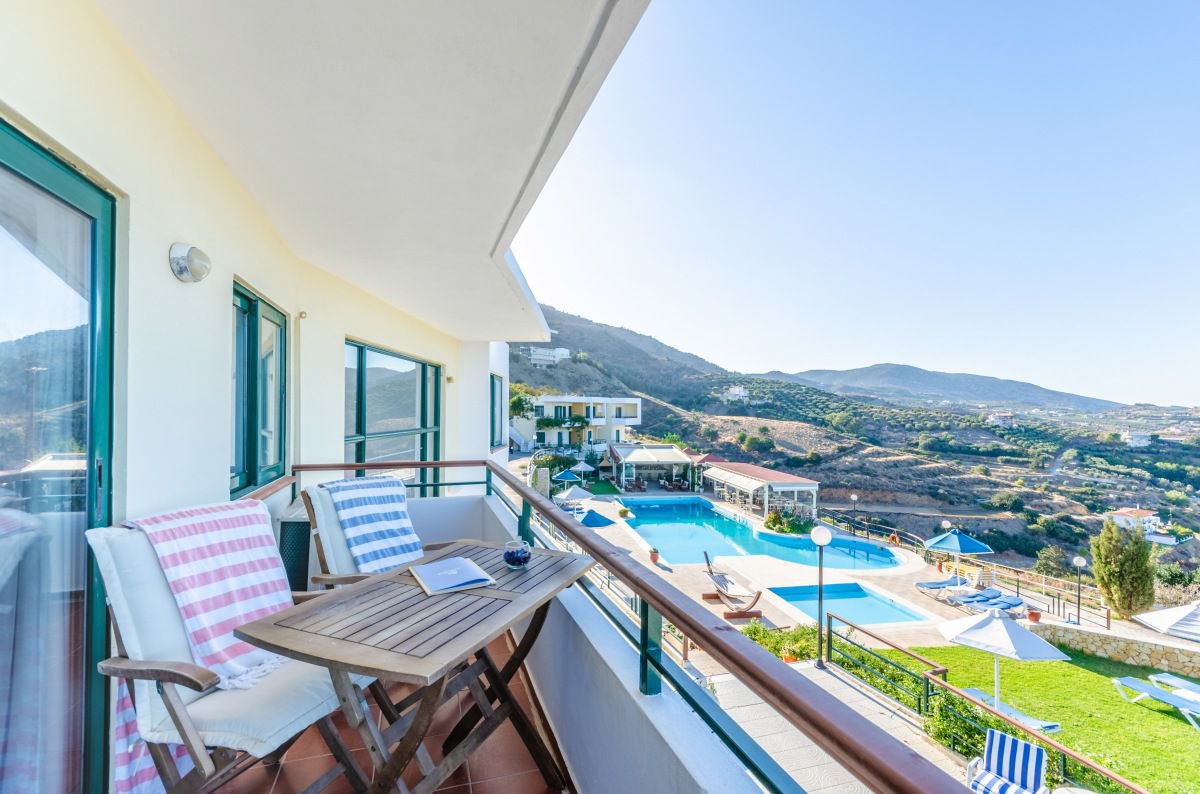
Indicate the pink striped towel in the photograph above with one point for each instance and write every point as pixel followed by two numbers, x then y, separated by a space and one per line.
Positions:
pixel 223 567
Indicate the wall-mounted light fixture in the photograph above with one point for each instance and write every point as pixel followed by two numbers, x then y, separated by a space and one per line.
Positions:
pixel 189 263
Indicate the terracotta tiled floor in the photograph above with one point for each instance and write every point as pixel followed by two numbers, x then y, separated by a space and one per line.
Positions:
pixel 501 764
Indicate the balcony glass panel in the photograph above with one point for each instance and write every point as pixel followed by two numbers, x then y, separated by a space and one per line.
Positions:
pixel 351 376
pixel 393 393
pixel 270 412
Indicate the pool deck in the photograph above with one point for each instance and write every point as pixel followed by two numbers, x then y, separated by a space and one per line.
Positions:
pixel 760 572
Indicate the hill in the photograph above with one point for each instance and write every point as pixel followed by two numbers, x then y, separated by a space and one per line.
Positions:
pixel 609 359
pixel 910 443
pixel 903 383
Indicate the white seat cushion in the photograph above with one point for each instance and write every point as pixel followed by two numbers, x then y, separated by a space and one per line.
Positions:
pixel 260 719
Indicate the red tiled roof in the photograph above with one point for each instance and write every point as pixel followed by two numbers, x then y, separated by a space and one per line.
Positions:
pixel 708 457
pixel 761 473
pixel 1133 512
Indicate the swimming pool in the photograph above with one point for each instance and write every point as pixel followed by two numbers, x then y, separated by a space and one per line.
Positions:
pixel 682 529
pixel 851 601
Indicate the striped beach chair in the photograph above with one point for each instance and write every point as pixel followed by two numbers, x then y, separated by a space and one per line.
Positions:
pixel 1008 766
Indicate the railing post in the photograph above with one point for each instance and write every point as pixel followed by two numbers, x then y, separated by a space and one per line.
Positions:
pixel 488 479
pixel 829 637
pixel 524 532
pixel 649 647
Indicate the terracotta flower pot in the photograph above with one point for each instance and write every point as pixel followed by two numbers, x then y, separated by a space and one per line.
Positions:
pixel 1034 615
pixel 654 557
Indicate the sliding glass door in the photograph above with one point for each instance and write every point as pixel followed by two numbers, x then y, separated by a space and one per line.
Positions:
pixel 55 296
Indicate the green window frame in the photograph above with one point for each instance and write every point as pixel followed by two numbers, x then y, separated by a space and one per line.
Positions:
pixel 424 436
pixel 32 162
pixel 497 412
pixel 259 436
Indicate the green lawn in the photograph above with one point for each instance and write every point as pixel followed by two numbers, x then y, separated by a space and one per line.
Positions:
pixel 603 488
pixel 1152 745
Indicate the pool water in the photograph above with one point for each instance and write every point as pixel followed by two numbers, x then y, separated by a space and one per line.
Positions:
pixel 851 601
pixel 682 529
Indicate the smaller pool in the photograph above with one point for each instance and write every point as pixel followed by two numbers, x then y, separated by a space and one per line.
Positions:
pixel 851 601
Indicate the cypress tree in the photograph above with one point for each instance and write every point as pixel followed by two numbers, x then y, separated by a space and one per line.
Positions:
pixel 1121 562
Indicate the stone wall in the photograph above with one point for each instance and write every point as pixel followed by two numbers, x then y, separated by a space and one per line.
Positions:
pixel 1171 655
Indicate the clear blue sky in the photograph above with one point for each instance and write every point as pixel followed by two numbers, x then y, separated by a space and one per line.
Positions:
pixel 1005 188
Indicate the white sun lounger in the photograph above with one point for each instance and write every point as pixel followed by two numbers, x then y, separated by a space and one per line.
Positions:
pixel 1186 688
pixel 1190 709
pixel 1019 716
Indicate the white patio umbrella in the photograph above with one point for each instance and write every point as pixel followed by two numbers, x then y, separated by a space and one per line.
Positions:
pixel 583 468
pixel 998 634
pixel 574 494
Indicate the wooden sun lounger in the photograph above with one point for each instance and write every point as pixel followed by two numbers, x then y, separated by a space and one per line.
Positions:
pixel 740 602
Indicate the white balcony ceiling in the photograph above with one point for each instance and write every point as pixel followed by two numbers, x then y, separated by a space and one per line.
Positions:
pixel 397 144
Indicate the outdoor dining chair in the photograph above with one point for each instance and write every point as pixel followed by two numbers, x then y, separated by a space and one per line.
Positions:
pixel 339 568
pixel 225 731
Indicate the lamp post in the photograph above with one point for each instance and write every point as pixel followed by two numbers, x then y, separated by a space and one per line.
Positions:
pixel 854 505
pixel 1079 563
pixel 821 537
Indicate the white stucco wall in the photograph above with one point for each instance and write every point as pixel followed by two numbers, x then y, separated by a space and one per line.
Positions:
pixel 67 79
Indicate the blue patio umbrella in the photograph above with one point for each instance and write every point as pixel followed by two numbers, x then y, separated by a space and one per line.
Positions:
pixel 593 519
pixel 566 476
pixel 957 543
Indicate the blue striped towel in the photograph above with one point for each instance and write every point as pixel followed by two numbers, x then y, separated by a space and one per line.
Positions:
pixel 373 512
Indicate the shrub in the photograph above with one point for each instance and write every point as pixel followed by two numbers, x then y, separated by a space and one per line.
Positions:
pixel 757 444
pixel 520 405
pixel 1177 498
pixel 1172 574
pixel 1005 501
pixel 1052 561
pixel 796 461
pixel 1123 568
pixel 623 512
pixel 799 641
pixel 982 470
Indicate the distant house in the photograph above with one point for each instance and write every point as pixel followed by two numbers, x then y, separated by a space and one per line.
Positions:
pixel 735 394
pixel 608 420
pixel 1002 419
pixel 1136 518
pixel 543 357
pixel 1165 538
pixel 1133 439
pixel 1173 438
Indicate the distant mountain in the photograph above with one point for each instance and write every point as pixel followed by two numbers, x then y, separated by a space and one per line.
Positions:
pixel 614 359
pixel 902 383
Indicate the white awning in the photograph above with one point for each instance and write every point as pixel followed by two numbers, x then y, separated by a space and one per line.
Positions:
pixel 658 456
pixel 739 481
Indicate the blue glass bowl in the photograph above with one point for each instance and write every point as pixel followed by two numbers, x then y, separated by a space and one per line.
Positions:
pixel 517 557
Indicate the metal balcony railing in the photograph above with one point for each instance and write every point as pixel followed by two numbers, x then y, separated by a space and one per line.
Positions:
pixel 654 609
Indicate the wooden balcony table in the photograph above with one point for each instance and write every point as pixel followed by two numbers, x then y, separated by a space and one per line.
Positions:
pixel 387 627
